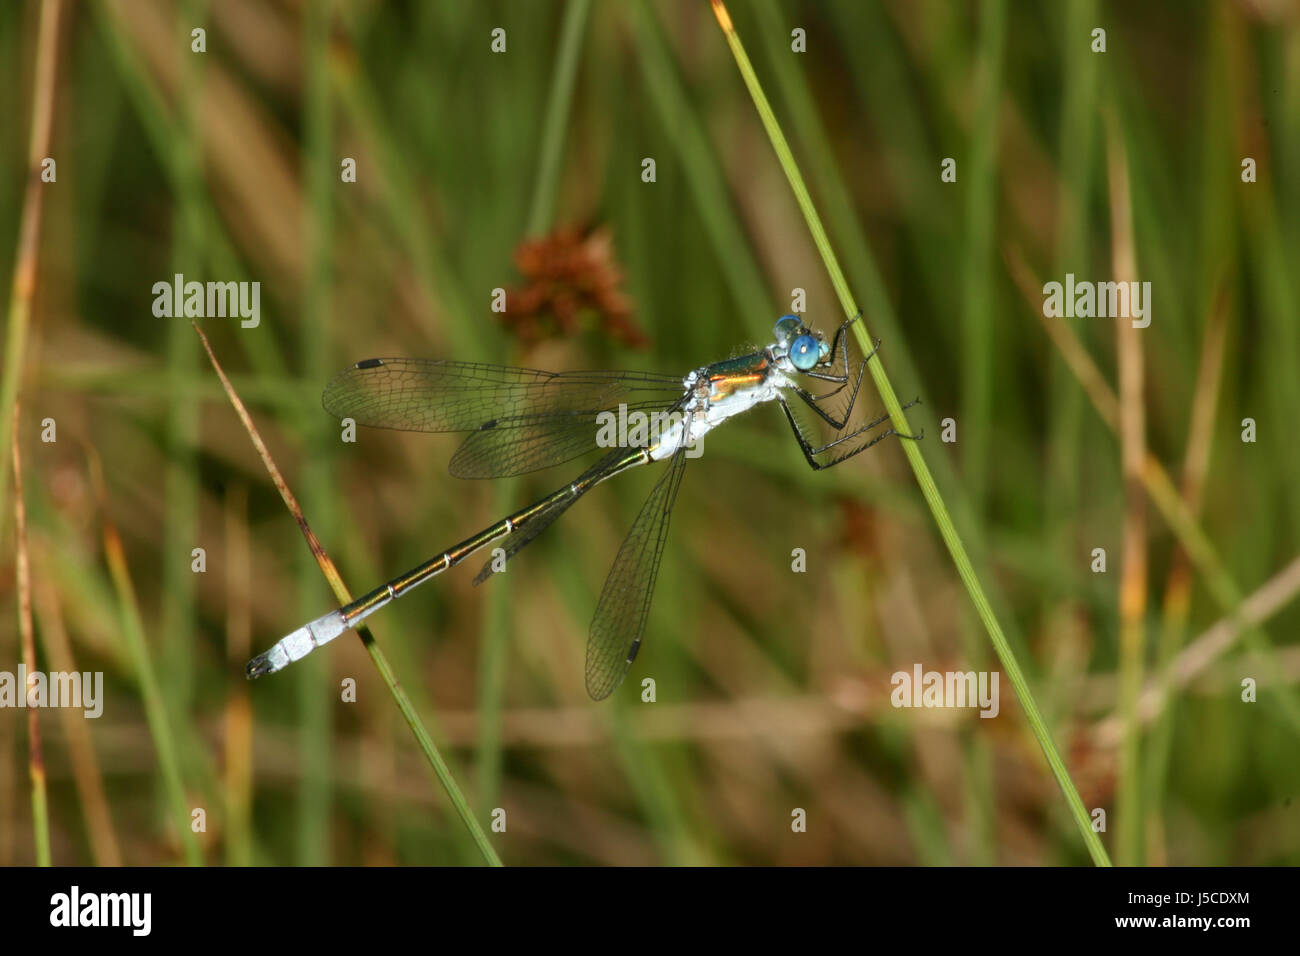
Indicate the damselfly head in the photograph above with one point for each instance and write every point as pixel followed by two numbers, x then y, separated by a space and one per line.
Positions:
pixel 804 348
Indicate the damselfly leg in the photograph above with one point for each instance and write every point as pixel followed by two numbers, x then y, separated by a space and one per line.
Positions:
pixel 810 451
pixel 855 442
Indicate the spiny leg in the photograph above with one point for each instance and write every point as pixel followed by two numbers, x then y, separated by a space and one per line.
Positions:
pixel 810 452
pixel 866 428
pixel 842 380
pixel 813 401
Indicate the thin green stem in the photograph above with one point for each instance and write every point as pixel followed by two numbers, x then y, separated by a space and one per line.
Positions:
pixel 911 448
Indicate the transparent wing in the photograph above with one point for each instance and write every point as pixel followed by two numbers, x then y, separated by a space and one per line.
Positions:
pixel 619 622
pixel 521 419
pixel 524 443
pixel 429 395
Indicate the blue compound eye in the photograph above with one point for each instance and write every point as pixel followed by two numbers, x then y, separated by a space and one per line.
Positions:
pixel 786 328
pixel 805 352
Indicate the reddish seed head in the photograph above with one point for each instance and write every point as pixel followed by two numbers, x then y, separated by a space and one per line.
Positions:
pixel 569 274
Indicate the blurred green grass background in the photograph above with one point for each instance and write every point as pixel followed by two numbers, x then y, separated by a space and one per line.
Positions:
pixel 773 687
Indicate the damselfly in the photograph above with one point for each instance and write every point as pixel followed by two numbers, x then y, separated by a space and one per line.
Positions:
pixel 522 420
